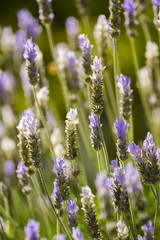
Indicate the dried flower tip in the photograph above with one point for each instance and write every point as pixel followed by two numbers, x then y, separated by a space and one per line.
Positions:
pixel 82 6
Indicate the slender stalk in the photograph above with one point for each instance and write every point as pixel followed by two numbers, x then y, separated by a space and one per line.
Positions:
pixel 133 220
pixel 129 228
pixel 30 206
pixel 87 27
pixel 142 95
pixel 156 212
pixel 106 157
pixel 108 86
pixel 159 38
pixel 53 208
pixel 145 28
pixel 4 213
pixel 9 232
pixel 152 189
pixel 115 59
pixel 51 45
pixel 43 121
pixel 58 227
pixel 99 161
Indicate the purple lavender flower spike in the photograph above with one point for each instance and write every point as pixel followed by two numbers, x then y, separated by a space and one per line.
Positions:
pixel 148 230
pixel 21 169
pixel 149 145
pixel 45 11
pixel 30 55
pixel 32 230
pixel 72 214
pixel 156 5
pixel 9 167
pixel 77 234
pixel 72 27
pixel 22 175
pixel 86 47
pixel 61 178
pixel 57 200
pixel 124 84
pixel 20 37
pixel 135 151
pixel 129 6
pixel 122 145
pixel 28 24
pixel 95 137
pixel 132 179
pixel 101 184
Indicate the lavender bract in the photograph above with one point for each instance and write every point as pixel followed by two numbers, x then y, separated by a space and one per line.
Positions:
pixel 61 178
pixel 126 96
pixel 95 137
pixel 32 230
pixel 72 214
pixel 122 145
pixel 30 55
pixel 97 95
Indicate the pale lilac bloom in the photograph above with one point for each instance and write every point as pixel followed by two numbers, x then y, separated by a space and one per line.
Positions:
pixel 32 230
pixel 101 184
pixel 84 44
pixel 21 170
pixel 9 167
pixel 72 26
pixel 124 84
pixel 121 128
pixel 77 234
pixel 60 237
pixel 132 179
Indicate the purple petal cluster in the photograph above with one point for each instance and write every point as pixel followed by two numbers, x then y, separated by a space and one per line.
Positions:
pixel 124 84
pixel 32 230
pixel 77 234
pixel 156 5
pixel 148 230
pixel 132 179
pixel 101 184
pixel 59 166
pixel 72 213
pixel 72 27
pixel 28 24
pixel 21 170
pixel 30 51
pixel 129 6
pixel 9 167
pixel 135 151
pixel 121 128
pixel 56 197
pixel 97 68
pixel 84 44
pixel 149 145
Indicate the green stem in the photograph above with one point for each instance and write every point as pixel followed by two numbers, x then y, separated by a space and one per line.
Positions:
pixel 129 228
pixel 145 28
pixel 87 28
pixel 156 212
pixel 108 86
pixel 4 213
pixel 30 205
pixel 115 59
pixel 152 189
pixel 99 161
pixel 58 227
pixel 133 220
pixel 141 92
pixel 106 157
pixel 53 208
pixel 43 121
pixel 9 232
pixel 63 85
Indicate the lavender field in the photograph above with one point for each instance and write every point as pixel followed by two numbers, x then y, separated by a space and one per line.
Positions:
pixel 80 120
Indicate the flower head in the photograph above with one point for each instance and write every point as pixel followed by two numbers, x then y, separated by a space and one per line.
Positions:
pixel 21 169
pixel 96 140
pixel 122 230
pixel 124 84
pixel 32 230
pixel 84 44
pixel 72 26
pixel 45 11
pixel 72 213
pixel 9 167
pixel 30 51
pixel 129 6
pixel 97 68
pixel 56 197
pixel 59 166
pixel 77 234
pixel 72 116
pixel 121 128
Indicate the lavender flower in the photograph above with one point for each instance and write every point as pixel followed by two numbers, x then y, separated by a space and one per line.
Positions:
pixel 97 96
pixel 132 180
pixel 126 96
pixel 61 178
pixel 71 132
pixel 96 140
pixel 101 33
pixel 90 213
pixel 86 47
pixel 77 234
pixel 114 7
pixel 45 11
pixel 148 231
pixel 129 6
pixel 122 145
pixel 72 27
pixel 147 160
pixel 60 237
pixel 72 214
pixel 9 167
pixel 22 175
pixel 156 4
pixel 30 55
pixel 28 24
pixel 57 200
pixel 32 230
pixel 122 230
pixel 118 188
